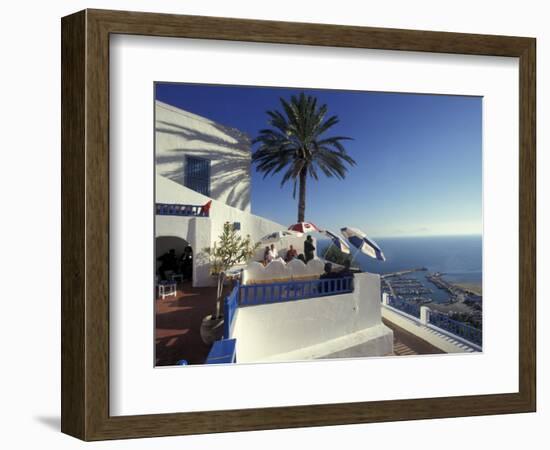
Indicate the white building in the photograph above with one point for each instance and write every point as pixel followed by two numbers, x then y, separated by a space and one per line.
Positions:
pixel 205 156
pixel 197 161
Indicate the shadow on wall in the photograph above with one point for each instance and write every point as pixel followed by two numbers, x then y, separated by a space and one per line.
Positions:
pixel 227 149
pixel 202 268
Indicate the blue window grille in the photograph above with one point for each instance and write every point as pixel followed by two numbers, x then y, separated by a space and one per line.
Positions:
pixel 197 175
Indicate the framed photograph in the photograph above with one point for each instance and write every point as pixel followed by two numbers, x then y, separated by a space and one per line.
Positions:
pixel 273 225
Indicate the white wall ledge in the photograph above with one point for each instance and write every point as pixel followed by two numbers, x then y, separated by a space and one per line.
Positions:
pixel 442 339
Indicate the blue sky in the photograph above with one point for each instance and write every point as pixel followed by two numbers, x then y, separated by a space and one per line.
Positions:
pixel 418 171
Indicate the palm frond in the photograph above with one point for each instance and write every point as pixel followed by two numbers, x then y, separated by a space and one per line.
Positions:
pixel 296 143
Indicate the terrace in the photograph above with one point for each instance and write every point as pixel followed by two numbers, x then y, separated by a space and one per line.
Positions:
pixel 177 325
pixel 416 330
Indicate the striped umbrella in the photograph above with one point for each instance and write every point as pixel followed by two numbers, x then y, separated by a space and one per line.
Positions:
pixel 337 241
pixel 360 240
pixel 304 227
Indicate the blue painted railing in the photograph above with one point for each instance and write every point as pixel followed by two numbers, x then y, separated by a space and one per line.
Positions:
pixel 231 304
pixel 460 329
pixel 259 294
pixel 168 209
pixel 410 308
pixel 223 352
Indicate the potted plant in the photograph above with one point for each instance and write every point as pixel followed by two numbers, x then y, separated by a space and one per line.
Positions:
pixel 229 250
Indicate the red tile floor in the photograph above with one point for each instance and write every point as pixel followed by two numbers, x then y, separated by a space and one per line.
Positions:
pixel 177 325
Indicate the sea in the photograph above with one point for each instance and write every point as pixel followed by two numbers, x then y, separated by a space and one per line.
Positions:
pixel 459 258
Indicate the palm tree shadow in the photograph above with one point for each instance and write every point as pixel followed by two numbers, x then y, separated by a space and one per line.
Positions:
pixel 227 149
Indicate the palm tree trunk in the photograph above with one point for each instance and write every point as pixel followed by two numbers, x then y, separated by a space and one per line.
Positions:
pixel 302 196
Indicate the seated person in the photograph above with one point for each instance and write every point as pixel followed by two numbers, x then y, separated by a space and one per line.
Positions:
pixel 302 258
pixel 168 262
pixel 291 254
pixel 328 274
pixel 346 271
pixel 267 256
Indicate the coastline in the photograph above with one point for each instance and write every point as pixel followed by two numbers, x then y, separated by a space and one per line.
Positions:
pixel 457 307
pixel 474 288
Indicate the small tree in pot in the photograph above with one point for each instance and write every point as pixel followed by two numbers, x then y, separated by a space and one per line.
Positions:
pixel 229 250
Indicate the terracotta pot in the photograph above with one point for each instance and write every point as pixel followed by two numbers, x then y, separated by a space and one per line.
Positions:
pixel 211 329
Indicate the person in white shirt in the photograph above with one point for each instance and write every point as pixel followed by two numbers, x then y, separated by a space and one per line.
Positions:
pixel 273 253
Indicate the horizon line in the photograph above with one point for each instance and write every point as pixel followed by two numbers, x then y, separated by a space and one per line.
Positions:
pixel 427 235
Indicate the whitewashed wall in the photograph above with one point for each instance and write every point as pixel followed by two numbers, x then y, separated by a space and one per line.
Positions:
pixel 315 327
pixel 179 133
pixel 278 269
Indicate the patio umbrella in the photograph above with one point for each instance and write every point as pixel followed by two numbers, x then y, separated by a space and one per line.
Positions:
pixel 360 240
pixel 337 241
pixel 279 235
pixel 304 227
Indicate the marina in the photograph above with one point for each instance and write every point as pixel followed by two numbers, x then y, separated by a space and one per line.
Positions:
pixel 416 288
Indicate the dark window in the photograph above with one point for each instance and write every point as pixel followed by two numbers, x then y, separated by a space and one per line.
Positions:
pixel 197 175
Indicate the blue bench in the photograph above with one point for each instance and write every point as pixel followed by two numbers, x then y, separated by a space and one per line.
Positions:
pixel 222 352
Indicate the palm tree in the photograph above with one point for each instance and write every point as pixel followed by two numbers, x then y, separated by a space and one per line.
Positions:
pixel 296 143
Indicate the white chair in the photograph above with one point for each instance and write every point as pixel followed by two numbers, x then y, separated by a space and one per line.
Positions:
pixel 167 288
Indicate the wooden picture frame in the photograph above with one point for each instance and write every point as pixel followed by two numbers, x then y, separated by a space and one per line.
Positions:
pixel 85 224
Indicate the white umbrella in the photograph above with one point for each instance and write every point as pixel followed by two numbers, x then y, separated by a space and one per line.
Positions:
pixel 360 240
pixel 337 241
pixel 279 235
